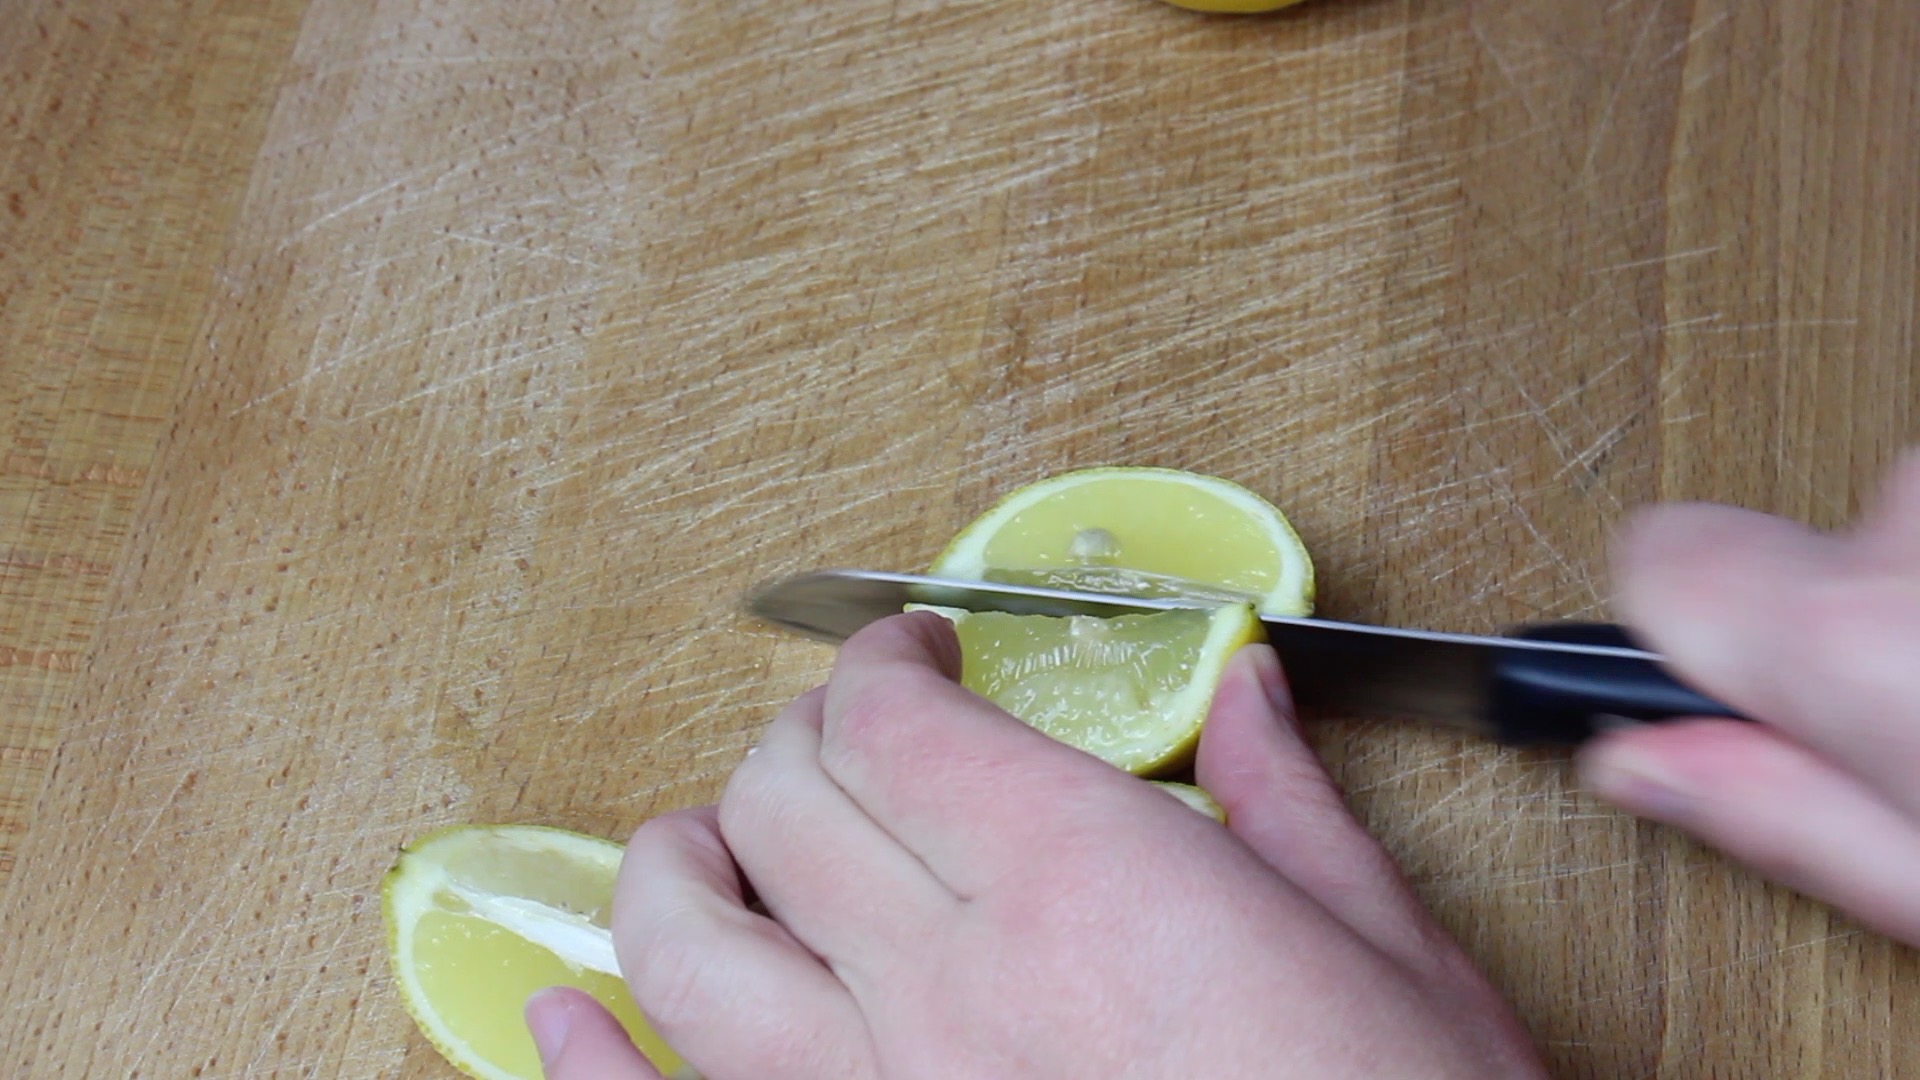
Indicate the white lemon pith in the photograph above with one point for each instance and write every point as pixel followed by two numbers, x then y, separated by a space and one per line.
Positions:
pixel 1196 797
pixel 481 916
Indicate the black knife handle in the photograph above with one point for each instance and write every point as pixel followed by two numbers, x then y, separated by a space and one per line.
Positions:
pixel 1544 697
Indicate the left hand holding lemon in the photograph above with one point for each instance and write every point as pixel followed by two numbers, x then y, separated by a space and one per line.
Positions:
pixel 962 877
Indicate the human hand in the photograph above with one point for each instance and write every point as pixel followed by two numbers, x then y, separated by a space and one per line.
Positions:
pixel 952 894
pixel 1818 636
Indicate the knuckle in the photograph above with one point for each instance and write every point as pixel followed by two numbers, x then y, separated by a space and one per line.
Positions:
pixel 656 834
pixel 870 715
pixel 671 983
pixel 750 797
pixel 656 845
pixel 754 789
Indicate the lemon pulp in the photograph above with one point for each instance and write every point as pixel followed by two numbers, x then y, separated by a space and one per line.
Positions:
pixel 1132 690
pixel 479 917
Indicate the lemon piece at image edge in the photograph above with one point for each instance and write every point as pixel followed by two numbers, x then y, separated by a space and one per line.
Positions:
pixel 1139 531
pixel 479 917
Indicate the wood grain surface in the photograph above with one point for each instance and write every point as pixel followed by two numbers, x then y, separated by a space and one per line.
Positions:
pixel 397 398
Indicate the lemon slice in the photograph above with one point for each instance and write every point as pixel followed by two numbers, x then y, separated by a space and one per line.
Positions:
pixel 1195 797
pixel 1132 690
pixel 481 916
pixel 1137 531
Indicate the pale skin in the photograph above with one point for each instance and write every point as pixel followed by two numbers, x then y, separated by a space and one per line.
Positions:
pixel 949 894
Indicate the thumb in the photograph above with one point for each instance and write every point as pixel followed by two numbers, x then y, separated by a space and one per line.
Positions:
pixel 1793 816
pixel 1281 803
pixel 579 1039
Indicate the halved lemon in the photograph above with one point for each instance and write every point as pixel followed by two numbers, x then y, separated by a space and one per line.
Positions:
pixel 1138 531
pixel 1132 690
pixel 481 916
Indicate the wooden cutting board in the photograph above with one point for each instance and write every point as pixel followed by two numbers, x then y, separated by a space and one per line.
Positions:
pixel 397 397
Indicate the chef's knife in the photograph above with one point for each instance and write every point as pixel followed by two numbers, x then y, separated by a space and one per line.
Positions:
pixel 1544 683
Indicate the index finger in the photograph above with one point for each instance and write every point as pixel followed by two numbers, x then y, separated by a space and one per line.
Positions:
pixel 940 767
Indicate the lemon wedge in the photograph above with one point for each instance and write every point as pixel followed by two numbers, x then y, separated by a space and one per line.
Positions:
pixel 481 916
pixel 1138 531
pixel 1132 690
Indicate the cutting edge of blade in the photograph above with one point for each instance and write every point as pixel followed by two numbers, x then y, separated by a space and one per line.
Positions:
pixel 952 592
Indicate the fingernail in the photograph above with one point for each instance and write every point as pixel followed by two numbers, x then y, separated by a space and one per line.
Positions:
pixel 1273 682
pixel 549 1015
pixel 1638 784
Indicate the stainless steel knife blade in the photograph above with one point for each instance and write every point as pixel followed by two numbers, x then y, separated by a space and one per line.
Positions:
pixel 1344 667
